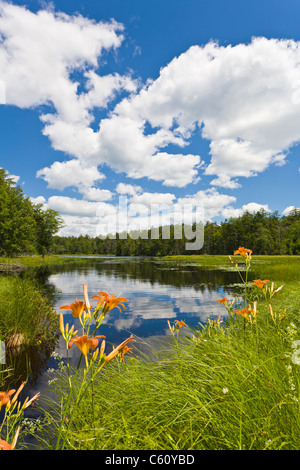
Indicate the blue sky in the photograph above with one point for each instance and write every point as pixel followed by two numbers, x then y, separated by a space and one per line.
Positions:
pixel 172 102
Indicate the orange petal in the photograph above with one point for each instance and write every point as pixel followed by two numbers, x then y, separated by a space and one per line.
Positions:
pixel 5 445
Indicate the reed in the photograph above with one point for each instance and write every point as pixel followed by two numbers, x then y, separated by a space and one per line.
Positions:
pixel 26 316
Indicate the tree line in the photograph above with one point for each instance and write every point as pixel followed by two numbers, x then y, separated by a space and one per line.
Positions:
pixel 264 233
pixel 24 227
pixel 29 228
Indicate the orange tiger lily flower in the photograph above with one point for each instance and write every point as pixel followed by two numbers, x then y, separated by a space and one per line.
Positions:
pixel 259 283
pixel 223 301
pixel 5 397
pixel 77 308
pixel 6 446
pixel 243 252
pixel 244 312
pixel 84 343
pixel 124 351
pixel 109 301
pixel 122 348
pixel 179 324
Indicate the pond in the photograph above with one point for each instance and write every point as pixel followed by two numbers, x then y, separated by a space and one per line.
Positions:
pixel 157 291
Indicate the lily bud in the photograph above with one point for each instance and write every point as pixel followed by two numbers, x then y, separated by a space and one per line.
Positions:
pixel 86 297
pixel 102 348
pixel 95 355
pixel 279 288
pixel 18 392
pixel 61 324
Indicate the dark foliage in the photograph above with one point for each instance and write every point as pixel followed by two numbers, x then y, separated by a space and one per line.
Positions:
pixel 262 232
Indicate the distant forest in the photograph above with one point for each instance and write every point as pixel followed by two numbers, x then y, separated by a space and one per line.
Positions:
pixel 262 232
pixel 29 228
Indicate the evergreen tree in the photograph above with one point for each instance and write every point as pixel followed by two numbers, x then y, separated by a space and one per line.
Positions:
pixel 261 232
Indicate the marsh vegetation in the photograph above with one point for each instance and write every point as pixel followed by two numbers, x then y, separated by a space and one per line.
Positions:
pixel 229 383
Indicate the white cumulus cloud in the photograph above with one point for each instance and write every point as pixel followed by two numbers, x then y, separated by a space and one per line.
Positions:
pixel 243 99
pixel 240 98
pixel 251 207
pixel 289 209
pixel 128 189
pixel 69 173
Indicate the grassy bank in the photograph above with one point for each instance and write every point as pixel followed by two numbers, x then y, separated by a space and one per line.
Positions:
pixel 278 267
pixel 231 385
pixel 226 389
pixel 234 385
pixel 26 316
pixel 32 261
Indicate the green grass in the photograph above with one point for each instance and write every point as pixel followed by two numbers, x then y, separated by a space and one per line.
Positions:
pixel 25 311
pixel 38 260
pixel 218 387
pixel 278 267
pixel 226 389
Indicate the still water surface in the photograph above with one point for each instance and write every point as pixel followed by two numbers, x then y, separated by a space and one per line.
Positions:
pixel 157 291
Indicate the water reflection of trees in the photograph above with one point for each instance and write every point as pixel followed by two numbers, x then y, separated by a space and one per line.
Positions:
pixel 40 276
pixel 168 274
pixel 141 269
pixel 28 364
